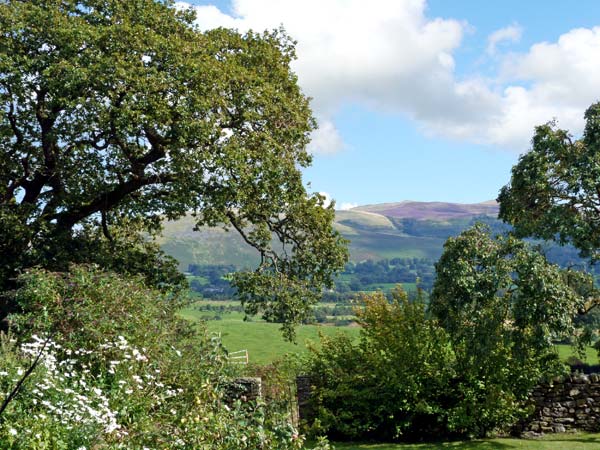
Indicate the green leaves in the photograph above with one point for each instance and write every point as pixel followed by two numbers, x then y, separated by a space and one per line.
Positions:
pixel 123 112
pixel 390 385
pixel 503 281
pixel 554 190
pixel 503 305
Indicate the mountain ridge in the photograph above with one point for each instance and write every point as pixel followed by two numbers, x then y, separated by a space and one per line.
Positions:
pixel 406 229
pixel 431 210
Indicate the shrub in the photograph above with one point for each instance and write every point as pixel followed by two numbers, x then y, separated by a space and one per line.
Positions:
pixel 119 369
pixel 466 366
pixel 390 384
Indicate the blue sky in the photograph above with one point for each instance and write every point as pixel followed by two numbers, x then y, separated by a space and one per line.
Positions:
pixel 429 101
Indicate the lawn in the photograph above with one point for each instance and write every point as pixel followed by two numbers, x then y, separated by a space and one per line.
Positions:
pixel 579 441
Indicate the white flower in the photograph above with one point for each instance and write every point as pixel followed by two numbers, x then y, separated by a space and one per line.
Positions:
pixel 12 431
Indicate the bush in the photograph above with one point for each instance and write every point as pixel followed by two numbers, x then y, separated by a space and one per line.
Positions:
pixel 119 369
pixel 465 367
pixel 410 378
pixel 391 384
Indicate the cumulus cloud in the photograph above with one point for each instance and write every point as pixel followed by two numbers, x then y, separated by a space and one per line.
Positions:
pixel 389 56
pixel 355 51
pixel 326 139
pixel 511 33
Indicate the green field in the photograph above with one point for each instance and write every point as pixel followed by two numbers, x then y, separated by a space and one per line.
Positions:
pixel 579 441
pixel 386 287
pixel 263 341
pixel 590 356
pixel 377 245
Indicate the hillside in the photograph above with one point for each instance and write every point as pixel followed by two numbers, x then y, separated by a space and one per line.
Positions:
pixel 390 230
pixel 432 210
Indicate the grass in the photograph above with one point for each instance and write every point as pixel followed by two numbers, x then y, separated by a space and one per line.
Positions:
pixel 579 441
pixel 263 341
pixel 364 220
pixel 590 356
pixel 378 245
pixel 386 287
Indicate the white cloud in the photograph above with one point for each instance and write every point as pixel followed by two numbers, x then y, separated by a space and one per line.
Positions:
pixel 327 198
pixel 326 139
pixel 346 206
pixel 511 33
pixel 389 56
pixel 355 51
pixel 562 81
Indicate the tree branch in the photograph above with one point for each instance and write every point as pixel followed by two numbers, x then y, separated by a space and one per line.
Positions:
pixel 108 200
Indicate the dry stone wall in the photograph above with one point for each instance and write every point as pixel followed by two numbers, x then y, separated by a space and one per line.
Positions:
pixel 244 389
pixel 566 404
pixel 304 392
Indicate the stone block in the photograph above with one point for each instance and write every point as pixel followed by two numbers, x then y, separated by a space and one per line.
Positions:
pixel 244 389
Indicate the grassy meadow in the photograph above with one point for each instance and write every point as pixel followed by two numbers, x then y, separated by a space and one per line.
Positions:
pixel 265 343
pixel 263 340
pixel 579 441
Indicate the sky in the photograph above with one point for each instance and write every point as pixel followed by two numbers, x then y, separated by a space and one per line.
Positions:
pixel 428 100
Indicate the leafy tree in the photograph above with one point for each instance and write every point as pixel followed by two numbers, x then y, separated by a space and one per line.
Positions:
pixel 554 191
pixel 117 115
pixel 466 366
pixel 502 304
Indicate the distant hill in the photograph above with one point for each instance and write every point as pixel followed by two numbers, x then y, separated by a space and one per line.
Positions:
pixel 432 210
pixel 389 230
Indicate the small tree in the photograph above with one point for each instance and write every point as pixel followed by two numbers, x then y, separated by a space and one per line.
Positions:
pixel 116 115
pixel 502 304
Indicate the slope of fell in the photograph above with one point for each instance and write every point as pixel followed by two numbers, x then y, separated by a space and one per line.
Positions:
pixel 432 210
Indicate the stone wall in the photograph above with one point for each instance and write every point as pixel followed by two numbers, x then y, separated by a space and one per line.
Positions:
pixel 567 404
pixel 244 389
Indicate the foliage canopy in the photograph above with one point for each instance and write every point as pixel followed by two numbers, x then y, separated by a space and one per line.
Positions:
pixel 117 115
pixel 502 305
pixel 554 191
pixel 464 367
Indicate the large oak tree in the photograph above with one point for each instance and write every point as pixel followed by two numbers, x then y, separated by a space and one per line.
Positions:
pixel 118 114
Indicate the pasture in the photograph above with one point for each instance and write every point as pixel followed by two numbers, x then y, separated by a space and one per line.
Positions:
pixel 263 340
pixel 265 343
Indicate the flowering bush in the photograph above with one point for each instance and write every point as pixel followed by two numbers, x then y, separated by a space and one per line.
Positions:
pixel 118 369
